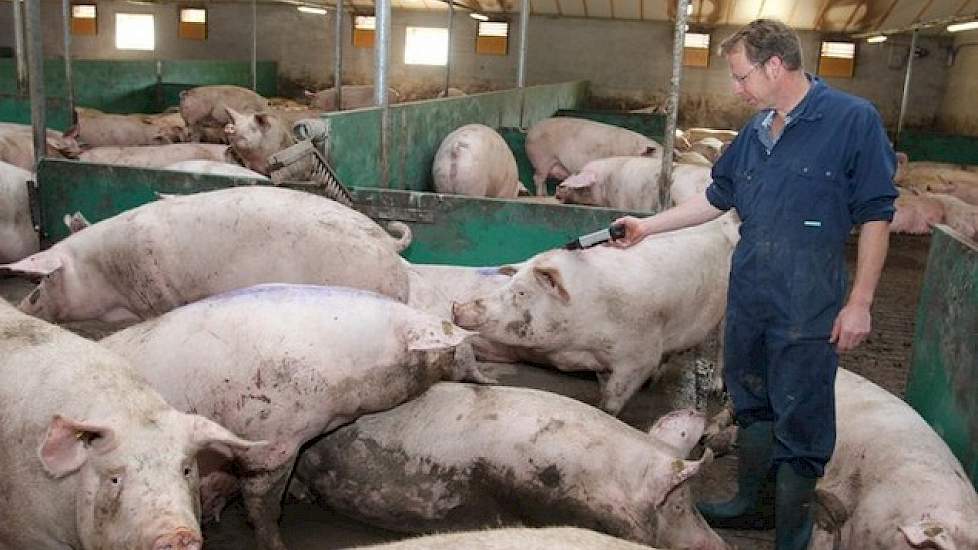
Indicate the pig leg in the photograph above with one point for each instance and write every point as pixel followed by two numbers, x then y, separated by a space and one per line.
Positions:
pixel 263 493
pixel 626 377
pixel 468 369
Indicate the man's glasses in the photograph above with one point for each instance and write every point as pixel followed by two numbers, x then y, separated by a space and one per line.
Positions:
pixel 740 79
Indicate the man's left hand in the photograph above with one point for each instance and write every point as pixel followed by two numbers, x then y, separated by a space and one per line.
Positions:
pixel 851 327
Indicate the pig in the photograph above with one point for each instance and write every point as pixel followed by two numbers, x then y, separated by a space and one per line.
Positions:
pixel 451 92
pixel 630 183
pixel 474 160
pixel 17 145
pixel 92 456
pixel 354 97
pixel 463 456
pixel 513 538
pixel 256 137
pixel 612 311
pixel 167 253
pixel 154 156
pixel 241 359
pixel 939 178
pixel 892 482
pixel 290 116
pixel 697 134
pixel 171 124
pixel 215 167
pixel 917 213
pixel 434 288
pixel 560 146
pixel 692 157
pixel 17 236
pixel 120 130
pixel 709 147
pixel 205 109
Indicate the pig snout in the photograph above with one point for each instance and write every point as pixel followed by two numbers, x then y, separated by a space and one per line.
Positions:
pixel 469 315
pixel 562 193
pixel 180 539
pixel 229 129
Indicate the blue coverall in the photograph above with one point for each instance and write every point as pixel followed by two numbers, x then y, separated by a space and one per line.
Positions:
pixel 798 197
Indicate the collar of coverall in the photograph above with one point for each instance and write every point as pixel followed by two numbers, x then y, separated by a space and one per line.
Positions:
pixel 807 109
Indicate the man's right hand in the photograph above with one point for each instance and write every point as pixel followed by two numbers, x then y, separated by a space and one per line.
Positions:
pixel 634 232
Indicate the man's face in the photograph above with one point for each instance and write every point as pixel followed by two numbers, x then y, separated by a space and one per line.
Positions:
pixel 751 81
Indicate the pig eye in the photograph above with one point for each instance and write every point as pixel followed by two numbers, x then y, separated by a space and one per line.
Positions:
pixel 186 471
pixel 521 293
pixel 114 480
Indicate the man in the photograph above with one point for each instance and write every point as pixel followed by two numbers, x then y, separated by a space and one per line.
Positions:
pixel 811 164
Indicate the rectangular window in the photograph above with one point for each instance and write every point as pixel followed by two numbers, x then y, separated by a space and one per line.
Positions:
pixel 696 50
pixel 193 24
pixel 135 31
pixel 83 20
pixel 363 31
pixel 837 59
pixel 426 46
pixel 492 38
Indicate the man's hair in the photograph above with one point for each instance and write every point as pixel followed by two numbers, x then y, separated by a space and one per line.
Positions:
pixel 763 39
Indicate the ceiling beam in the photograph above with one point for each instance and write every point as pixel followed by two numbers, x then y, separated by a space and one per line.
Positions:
pixel 885 16
pixel 611 6
pixel 964 5
pixel 855 10
pixel 641 10
pixel 791 13
pixel 826 4
pixel 760 9
pixel 560 9
pixel 730 6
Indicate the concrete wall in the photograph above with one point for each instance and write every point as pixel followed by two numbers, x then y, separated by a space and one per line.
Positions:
pixel 628 62
pixel 958 112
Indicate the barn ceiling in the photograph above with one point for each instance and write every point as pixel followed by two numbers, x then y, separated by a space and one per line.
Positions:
pixel 831 16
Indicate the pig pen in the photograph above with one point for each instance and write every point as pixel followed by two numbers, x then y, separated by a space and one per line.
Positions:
pixel 884 359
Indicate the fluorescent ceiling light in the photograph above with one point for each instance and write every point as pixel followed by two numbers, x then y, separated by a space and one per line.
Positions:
pixel 876 39
pixel 310 9
pixel 479 16
pixel 962 26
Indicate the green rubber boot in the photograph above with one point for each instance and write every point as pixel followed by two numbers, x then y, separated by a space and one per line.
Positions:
pixel 753 505
pixel 795 517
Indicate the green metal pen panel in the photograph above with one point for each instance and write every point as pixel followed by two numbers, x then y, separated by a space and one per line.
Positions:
pixel 943 383
pixel 939 147
pixel 651 125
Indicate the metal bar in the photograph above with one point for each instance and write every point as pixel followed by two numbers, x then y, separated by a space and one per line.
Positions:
pixel 338 55
pixel 382 46
pixel 906 86
pixel 451 32
pixel 672 108
pixel 254 45
pixel 917 26
pixel 19 47
pixel 524 23
pixel 35 60
pixel 69 81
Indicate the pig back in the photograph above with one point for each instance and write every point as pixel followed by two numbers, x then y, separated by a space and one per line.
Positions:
pixel 474 160
pixel 17 236
pixel 181 249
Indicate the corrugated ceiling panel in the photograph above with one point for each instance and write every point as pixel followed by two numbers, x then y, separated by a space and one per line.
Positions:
pixel 654 9
pixel 574 8
pixel 599 8
pixel 941 9
pixel 804 15
pixel 627 9
pixel 777 9
pixel 902 15
pixel 543 7
pixel 836 17
pixel 745 11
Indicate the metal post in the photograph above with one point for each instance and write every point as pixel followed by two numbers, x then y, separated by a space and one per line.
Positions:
pixel 524 23
pixel 35 60
pixel 381 53
pixel 451 32
pixel 254 45
pixel 906 86
pixel 672 108
pixel 19 47
pixel 69 82
pixel 338 55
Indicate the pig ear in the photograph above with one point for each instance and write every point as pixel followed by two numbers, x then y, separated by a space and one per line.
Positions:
pixel 679 472
pixel 67 444
pixel 205 433
pixel 680 430
pixel 263 119
pixel 650 151
pixel 928 533
pixel 39 265
pixel 234 115
pixel 427 337
pixel 308 94
pixel 71 132
pixel 552 281
pixel 76 222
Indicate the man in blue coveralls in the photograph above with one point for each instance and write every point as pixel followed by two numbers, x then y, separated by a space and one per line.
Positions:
pixel 811 163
